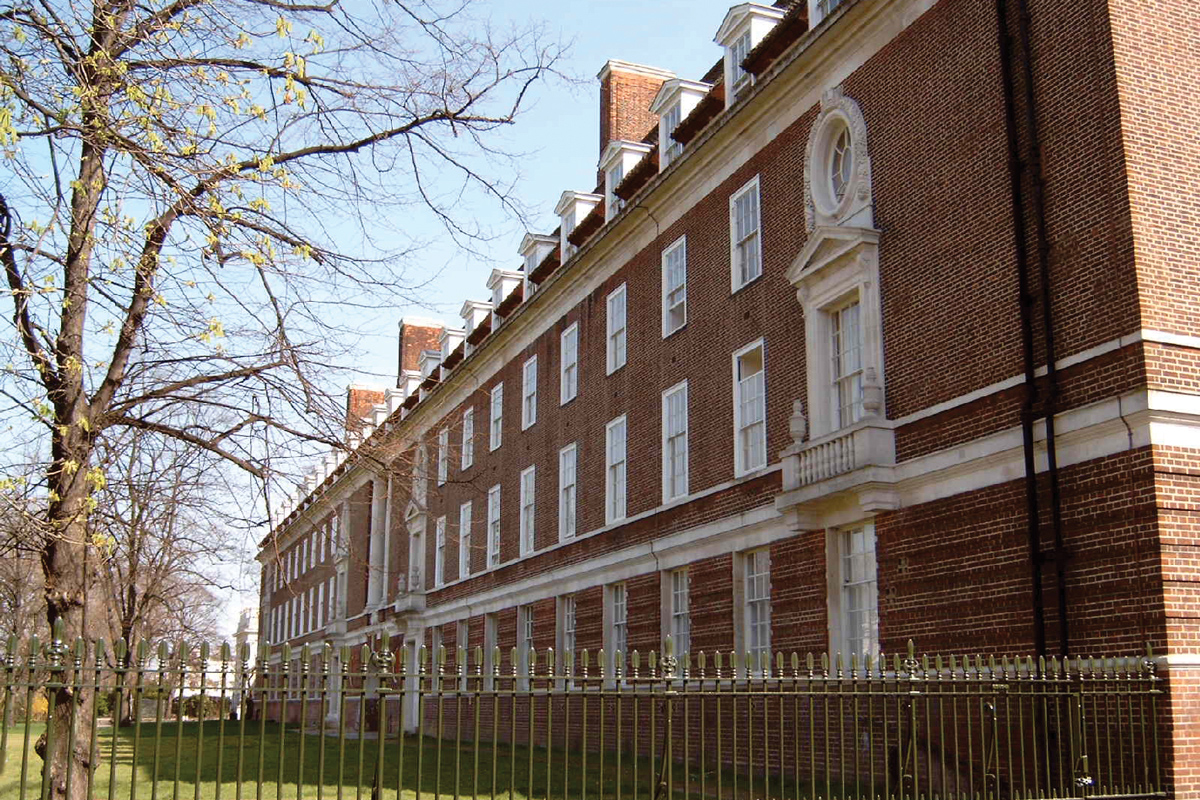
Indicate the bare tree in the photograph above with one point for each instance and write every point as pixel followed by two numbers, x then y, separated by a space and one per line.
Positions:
pixel 176 173
pixel 158 525
pixel 22 606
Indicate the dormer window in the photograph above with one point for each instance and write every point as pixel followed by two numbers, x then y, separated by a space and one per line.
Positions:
pixel 737 54
pixel 820 9
pixel 669 149
pixel 568 225
pixel 612 180
pixel 571 209
pixel 617 161
pixel 473 313
pixel 450 339
pixel 429 361
pixel 675 100
pixel 534 249
pixel 743 28
pixel 502 282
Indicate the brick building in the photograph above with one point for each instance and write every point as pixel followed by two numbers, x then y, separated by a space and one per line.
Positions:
pixel 883 329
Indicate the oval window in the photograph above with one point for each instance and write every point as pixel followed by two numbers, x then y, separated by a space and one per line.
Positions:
pixel 841 162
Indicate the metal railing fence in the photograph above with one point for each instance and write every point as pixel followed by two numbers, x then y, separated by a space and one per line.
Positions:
pixel 378 722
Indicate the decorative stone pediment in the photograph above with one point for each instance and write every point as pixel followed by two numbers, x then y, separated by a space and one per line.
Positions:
pixel 834 251
pixel 412 511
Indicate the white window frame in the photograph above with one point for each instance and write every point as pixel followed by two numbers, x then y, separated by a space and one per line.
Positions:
pixel 741 467
pixel 679 246
pixel 616 625
pixel 439 553
pixel 321 604
pixel 490 638
pixel 820 9
pixel 468 439
pixel 436 643
pixel 524 642
pixel 566 227
pixel 568 371
pixel 617 330
pixel 840 378
pixel 612 179
pixel 529 393
pixel 528 511
pixel 672 150
pixel 756 597
pixel 565 638
pixel 493 528
pixel 496 417
pixel 740 80
pixel 840 553
pixel 568 492
pixel 464 540
pixel 825 285
pixel 679 609
pixel 735 268
pixel 462 641
pixel 616 470
pixel 671 438
pixel 443 456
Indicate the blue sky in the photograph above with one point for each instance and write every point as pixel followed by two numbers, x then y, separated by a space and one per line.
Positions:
pixel 560 133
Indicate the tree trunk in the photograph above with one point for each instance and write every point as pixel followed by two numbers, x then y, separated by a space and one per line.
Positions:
pixel 66 567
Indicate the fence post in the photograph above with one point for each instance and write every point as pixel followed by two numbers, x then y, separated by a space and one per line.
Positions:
pixel 670 666
pixel 914 691
pixel 55 650
pixel 10 664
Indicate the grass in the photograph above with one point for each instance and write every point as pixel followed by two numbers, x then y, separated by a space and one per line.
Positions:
pixel 191 761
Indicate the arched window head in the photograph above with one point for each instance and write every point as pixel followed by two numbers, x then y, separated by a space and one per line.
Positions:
pixel 837 169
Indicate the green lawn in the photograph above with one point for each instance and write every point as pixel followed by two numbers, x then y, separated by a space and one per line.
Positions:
pixel 207 767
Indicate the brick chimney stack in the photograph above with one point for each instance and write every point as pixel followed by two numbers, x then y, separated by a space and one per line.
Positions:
pixel 360 400
pixel 416 335
pixel 626 92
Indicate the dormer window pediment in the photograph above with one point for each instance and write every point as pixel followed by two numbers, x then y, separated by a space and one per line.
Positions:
pixel 742 29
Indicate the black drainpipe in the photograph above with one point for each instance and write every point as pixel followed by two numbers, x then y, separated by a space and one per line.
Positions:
pixel 1030 410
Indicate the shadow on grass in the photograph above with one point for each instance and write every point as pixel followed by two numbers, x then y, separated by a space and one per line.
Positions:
pixel 210 760
pixel 193 753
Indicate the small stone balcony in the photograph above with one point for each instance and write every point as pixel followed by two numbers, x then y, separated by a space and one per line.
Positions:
pixel 856 462
pixel 409 602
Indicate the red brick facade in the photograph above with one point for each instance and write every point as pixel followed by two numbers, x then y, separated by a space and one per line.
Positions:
pixel 949 502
